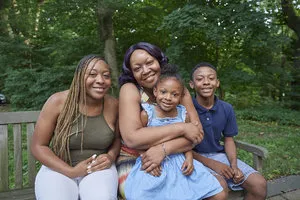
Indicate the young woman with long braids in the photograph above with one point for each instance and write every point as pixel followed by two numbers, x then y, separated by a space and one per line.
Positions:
pixel 81 124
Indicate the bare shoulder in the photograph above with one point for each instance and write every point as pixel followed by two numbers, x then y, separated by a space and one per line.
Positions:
pixel 111 101
pixel 55 102
pixel 129 87
pixel 129 92
pixel 58 97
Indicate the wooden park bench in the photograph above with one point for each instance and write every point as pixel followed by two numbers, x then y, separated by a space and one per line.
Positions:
pixel 19 127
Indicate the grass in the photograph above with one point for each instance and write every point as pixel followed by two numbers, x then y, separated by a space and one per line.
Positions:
pixel 276 129
pixel 282 142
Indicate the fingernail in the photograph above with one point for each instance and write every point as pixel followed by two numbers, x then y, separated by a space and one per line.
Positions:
pixel 94 156
pixel 89 167
pixel 93 161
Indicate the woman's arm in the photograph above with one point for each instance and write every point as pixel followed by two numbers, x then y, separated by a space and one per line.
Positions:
pixel 139 137
pixel 113 109
pixel 114 149
pixel 191 110
pixel 43 133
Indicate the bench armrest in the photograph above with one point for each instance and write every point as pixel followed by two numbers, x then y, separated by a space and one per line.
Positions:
pixel 259 153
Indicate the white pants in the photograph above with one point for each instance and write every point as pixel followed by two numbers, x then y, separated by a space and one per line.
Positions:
pixel 99 185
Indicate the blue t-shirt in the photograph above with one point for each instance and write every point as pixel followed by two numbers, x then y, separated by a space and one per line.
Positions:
pixel 217 122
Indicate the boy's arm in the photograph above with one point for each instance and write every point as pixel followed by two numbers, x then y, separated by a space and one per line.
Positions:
pixel 230 150
pixel 219 167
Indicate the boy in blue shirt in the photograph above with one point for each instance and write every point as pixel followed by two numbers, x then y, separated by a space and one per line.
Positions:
pixel 218 120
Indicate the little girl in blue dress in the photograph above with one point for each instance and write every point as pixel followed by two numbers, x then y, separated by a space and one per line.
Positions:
pixel 179 176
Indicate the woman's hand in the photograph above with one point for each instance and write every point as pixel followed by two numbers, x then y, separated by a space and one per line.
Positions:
pixel 156 171
pixel 152 158
pixel 103 161
pixel 81 168
pixel 194 132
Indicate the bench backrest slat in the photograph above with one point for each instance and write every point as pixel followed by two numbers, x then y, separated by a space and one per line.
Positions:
pixel 3 158
pixel 18 155
pixel 19 126
pixel 31 159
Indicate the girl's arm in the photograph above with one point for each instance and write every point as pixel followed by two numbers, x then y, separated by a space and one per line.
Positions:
pixel 139 137
pixel 42 136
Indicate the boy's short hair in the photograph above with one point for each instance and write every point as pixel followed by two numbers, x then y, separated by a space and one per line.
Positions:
pixel 202 64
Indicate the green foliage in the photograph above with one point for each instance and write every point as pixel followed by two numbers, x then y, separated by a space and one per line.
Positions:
pixel 270 114
pixel 39 85
pixel 237 38
pixel 244 39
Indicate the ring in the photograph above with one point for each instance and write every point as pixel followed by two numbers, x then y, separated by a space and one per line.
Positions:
pixel 89 172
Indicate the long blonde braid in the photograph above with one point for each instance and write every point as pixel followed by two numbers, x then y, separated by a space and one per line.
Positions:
pixel 70 112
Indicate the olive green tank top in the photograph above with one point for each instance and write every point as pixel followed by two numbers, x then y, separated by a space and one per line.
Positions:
pixel 96 138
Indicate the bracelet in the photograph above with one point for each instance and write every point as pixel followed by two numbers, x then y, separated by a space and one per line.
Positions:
pixel 164 149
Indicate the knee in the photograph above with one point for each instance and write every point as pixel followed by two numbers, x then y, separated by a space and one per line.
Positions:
pixel 224 194
pixel 221 195
pixel 257 187
pixel 223 183
pixel 261 187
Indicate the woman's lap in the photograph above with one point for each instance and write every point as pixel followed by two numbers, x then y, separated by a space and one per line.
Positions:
pixel 102 184
pixel 50 185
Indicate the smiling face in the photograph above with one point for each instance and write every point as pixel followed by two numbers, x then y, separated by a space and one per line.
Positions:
pixel 145 68
pixel 97 79
pixel 168 93
pixel 205 82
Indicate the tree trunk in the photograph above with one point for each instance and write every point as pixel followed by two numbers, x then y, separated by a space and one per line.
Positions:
pixel 105 15
pixel 293 22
